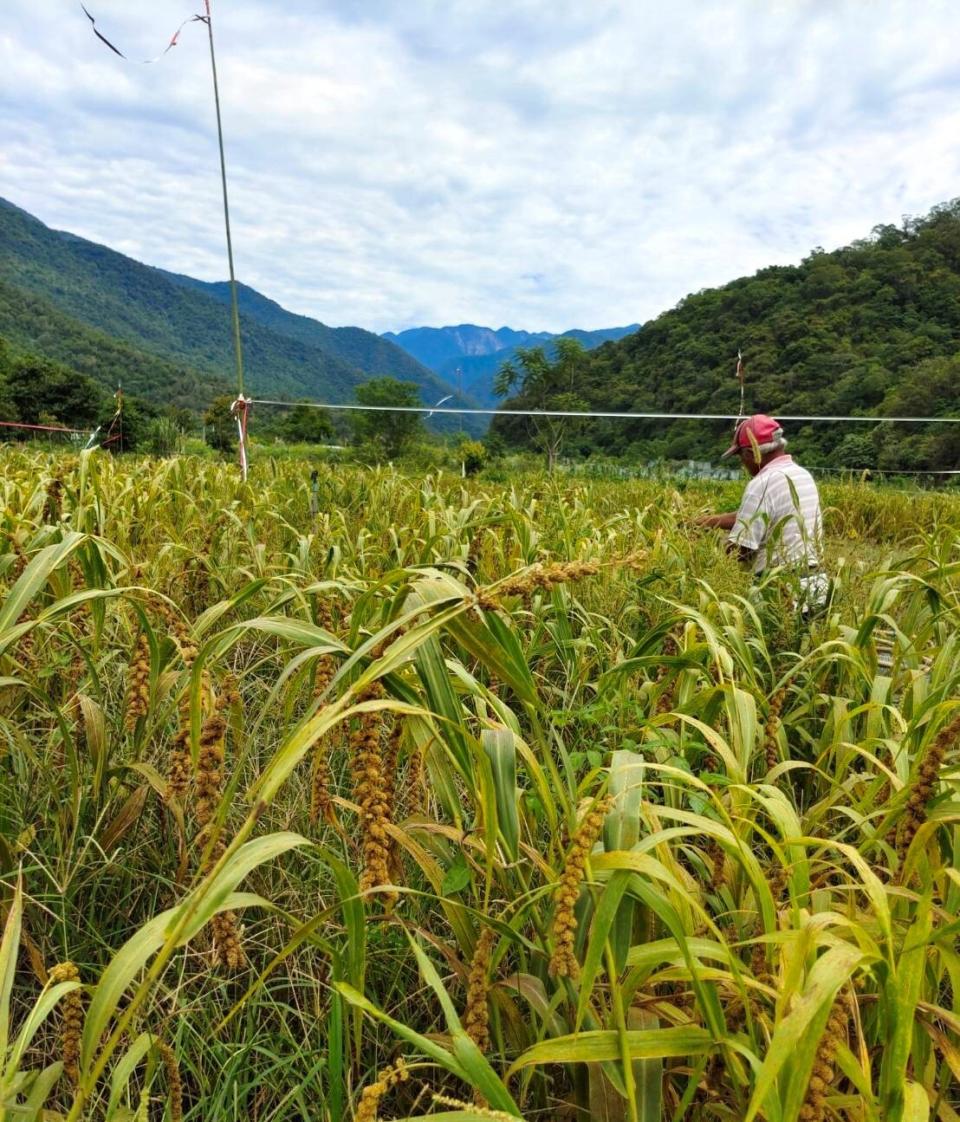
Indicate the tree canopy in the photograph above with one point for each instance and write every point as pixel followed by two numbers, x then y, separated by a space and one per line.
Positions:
pixel 307 424
pixel 38 388
pixel 389 433
pixel 38 391
pixel 546 384
pixel 219 425
pixel 870 329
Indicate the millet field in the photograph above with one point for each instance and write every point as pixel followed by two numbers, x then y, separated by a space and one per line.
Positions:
pixel 467 799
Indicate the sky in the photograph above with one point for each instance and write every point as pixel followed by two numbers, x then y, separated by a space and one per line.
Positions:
pixel 542 164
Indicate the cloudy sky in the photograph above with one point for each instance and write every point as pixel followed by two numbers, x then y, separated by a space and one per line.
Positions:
pixel 545 164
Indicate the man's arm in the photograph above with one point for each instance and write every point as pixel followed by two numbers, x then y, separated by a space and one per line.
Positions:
pixel 745 555
pixel 749 527
pixel 718 521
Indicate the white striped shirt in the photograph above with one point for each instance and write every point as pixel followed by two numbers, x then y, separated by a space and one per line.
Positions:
pixel 779 516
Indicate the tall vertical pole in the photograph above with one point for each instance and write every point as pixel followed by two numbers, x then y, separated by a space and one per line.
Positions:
pixel 240 405
pixel 234 307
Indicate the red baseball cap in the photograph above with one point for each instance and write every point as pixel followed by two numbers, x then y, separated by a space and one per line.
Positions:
pixel 756 430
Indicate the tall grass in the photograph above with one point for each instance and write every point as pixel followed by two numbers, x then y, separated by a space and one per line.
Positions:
pixel 468 798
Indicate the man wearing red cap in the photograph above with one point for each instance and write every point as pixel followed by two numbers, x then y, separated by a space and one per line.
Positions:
pixel 778 523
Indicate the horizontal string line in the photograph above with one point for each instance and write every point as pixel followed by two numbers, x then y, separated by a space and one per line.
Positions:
pixel 890 471
pixel 574 413
pixel 42 428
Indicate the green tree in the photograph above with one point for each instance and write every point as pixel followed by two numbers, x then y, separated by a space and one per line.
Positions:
pixel 549 384
pixel 8 410
pixel 390 433
pixel 856 450
pixel 219 424
pixel 38 387
pixel 930 388
pixel 183 419
pixel 473 455
pixel 163 437
pixel 307 424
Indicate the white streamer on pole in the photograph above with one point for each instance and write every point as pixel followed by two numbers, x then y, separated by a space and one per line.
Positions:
pixel 240 409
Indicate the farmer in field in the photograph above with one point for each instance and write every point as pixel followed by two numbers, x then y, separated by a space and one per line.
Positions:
pixel 778 525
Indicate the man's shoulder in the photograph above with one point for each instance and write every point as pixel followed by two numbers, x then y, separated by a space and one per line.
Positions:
pixel 789 469
pixel 789 485
pixel 775 485
pixel 800 474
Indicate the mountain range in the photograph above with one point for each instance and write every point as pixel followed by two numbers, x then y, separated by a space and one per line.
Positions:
pixel 869 329
pixel 167 337
pixel 469 356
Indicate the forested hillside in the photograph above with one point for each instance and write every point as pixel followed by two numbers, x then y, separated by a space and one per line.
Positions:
pixel 36 326
pixel 169 337
pixel 872 329
pixel 362 350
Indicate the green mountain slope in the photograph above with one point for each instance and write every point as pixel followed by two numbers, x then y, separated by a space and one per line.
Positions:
pixel 869 329
pixel 154 317
pixel 32 324
pixel 360 349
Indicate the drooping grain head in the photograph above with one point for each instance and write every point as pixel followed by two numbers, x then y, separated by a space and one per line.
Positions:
pixel 371 793
pixel 771 749
pixel 536 578
pixel 368 1109
pixel 210 764
pixel 71 1014
pixel 476 1017
pixel 53 501
pixel 226 948
pixel 174 1081
pixel 814 1105
pixel 925 784
pixel 563 961
pixel 138 683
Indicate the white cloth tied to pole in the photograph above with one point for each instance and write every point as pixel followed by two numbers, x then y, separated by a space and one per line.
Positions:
pixel 239 409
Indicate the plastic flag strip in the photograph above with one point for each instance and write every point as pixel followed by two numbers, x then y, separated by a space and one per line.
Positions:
pixel 144 61
pixel 241 403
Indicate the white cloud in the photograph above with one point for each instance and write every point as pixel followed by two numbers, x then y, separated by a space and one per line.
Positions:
pixel 543 165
